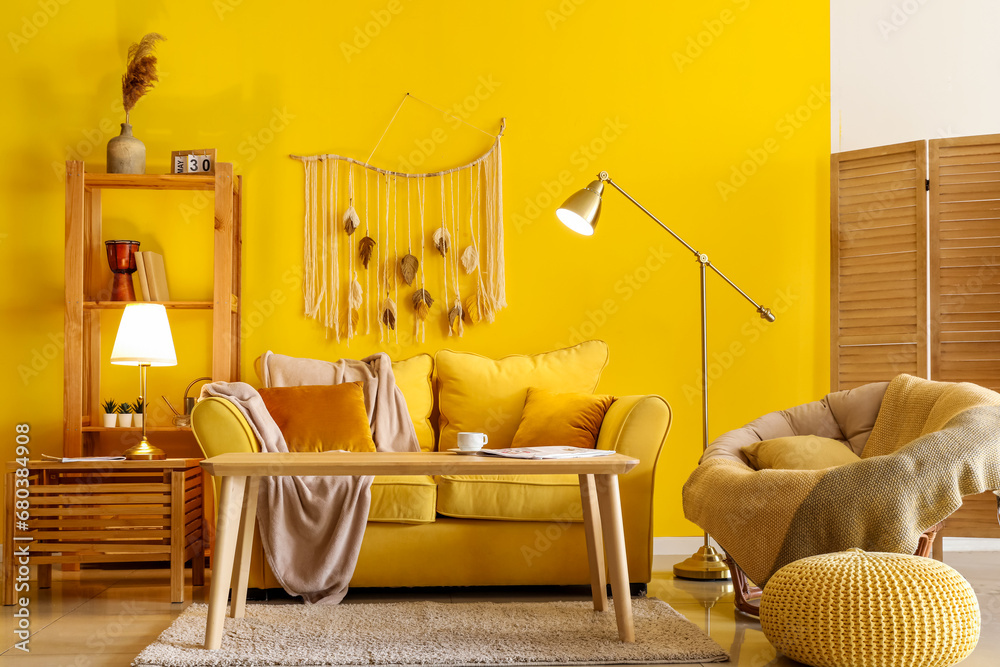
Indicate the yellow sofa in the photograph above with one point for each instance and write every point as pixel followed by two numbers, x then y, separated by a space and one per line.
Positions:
pixel 481 530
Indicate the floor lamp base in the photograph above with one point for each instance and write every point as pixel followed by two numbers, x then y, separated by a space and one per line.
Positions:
pixel 706 564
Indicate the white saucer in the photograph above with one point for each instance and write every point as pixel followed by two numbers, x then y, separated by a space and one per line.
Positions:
pixel 465 451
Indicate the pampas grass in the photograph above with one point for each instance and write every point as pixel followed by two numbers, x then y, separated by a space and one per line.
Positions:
pixel 140 71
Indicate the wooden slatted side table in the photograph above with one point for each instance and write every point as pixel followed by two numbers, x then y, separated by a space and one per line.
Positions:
pixel 106 512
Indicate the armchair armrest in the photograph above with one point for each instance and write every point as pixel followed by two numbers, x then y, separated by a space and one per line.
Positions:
pixel 637 426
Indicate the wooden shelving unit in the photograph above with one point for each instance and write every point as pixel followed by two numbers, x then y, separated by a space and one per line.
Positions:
pixel 87 280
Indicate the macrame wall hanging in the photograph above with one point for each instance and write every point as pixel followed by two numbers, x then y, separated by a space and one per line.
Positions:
pixel 373 235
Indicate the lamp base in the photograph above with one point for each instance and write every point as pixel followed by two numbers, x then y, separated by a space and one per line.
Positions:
pixel 706 564
pixel 144 451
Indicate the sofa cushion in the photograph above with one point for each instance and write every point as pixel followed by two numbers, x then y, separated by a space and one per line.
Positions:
pixel 403 499
pixel 413 377
pixel 316 418
pixel 569 420
pixel 510 497
pixel 476 393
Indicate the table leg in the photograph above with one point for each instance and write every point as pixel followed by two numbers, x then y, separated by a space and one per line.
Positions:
pixel 595 542
pixel 614 545
pixel 227 529
pixel 244 545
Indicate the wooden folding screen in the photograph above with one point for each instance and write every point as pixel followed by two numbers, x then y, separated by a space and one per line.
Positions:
pixel 878 264
pixel 965 260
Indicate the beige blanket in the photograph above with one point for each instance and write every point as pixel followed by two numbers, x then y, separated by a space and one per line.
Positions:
pixel 932 444
pixel 312 527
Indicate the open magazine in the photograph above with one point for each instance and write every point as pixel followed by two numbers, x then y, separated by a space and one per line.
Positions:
pixel 554 452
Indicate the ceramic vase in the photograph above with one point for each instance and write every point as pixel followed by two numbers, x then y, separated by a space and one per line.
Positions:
pixel 125 419
pixel 137 419
pixel 110 419
pixel 126 154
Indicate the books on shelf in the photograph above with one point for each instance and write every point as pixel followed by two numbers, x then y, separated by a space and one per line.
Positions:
pixel 553 452
pixel 152 276
pixel 140 271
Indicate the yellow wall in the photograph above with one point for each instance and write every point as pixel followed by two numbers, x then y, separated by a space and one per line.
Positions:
pixel 713 114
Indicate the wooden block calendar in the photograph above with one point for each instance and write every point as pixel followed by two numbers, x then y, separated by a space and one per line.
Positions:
pixel 197 161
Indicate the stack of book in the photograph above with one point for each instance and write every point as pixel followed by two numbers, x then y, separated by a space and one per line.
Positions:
pixel 152 276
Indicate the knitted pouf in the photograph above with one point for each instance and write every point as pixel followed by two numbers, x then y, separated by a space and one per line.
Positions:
pixel 858 609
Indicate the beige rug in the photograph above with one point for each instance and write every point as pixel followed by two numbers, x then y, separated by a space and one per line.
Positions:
pixel 433 633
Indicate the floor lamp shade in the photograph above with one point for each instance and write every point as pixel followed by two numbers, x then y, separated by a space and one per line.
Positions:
pixel 144 337
pixel 582 209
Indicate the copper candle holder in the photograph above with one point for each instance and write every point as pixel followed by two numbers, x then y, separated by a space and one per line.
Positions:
pixel 121 259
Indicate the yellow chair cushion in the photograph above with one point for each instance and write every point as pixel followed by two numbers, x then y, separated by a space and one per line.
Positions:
pixel 476 393
pixel 316 418
pixel 510 497
pixel 413 377
pixel 799 452
pixel 568 420
pixel 403 499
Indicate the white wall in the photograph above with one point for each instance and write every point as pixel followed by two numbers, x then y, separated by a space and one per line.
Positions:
pixel 903 70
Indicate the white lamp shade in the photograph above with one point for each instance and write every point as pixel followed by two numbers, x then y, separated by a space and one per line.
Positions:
pixel 144 337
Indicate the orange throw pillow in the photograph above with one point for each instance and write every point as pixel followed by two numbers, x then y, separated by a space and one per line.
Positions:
pixel 566 420
pixel 316 418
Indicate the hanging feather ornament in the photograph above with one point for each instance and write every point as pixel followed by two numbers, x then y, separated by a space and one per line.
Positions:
pixel 455 319
pixel 470 309
pixel 351 220
pixel 408 267
pixel 422 303
pixel 355 300
pixel 470 258
pixel 365 247
pixel 442 239
pixel 389 313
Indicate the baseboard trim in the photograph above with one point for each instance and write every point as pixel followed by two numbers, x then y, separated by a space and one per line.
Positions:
pixel 673 546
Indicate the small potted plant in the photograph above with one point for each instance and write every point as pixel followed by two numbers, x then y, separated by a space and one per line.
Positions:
pixel 124 414
pixel 137 412
pixel 110 412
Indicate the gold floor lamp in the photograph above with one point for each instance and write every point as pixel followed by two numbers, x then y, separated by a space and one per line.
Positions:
pixel 580 213
pixel 144 340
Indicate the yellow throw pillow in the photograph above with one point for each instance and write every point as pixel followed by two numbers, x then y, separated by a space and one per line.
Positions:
pixel 567 420
pixel 316 418
pixel 799 452
pixel 413 377
pixel 476 393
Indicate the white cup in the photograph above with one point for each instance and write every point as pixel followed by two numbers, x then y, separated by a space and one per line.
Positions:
pixel 470 442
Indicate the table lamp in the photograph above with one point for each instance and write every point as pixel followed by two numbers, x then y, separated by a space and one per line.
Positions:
pixel 144 340
pixel 580 213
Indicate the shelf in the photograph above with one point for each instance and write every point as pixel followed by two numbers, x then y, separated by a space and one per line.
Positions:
pixel 135 429
pixel 150 181
pixel 119 305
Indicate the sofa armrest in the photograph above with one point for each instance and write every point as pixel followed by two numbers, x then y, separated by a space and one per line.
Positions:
pixel 637 426
pixel 220 428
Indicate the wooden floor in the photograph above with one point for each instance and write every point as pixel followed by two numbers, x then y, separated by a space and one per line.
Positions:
pixel 104 618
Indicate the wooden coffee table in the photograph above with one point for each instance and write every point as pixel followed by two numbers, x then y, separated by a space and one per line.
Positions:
pixel 240 475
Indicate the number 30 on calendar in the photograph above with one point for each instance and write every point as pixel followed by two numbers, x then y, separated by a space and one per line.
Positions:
pixel 200 161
